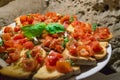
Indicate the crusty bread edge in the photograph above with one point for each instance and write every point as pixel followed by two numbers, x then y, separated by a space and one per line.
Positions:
pixel 55 75
pixel 79 60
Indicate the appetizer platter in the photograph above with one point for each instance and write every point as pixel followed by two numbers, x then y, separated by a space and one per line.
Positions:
pixel 52 47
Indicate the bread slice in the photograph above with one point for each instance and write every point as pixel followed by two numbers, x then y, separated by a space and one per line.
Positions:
pixel 102 54
pixel 44 74
pixel 15 71
pixel 79 60
pixel 17 20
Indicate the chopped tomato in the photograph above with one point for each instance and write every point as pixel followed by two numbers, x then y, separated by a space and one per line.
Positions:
pixel 29 64
pixel 22 41
pixel 9 43
pixel 96 46
pixel 23 18
pixel 14 56
pixel 50 14
pixel 39 58
pixel 28 45
pixel 65 19
pixel 51 59
pixel 17 28
pixel 63 67
pixel 102 33
pixel 18 36
pixel 30 19
pixel 7 29
pixel 83 50
pixel 73 50
pixel 18 46
pixel 2 49
pixel 47 41
pixel 6 36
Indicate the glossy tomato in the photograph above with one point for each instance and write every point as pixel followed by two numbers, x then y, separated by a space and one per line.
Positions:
pixel 51 59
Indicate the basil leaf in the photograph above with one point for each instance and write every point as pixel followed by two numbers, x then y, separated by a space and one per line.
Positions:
pixel 71 19
pixel 94 26
pixel 65 41
pixel 71 62
pixel 28 54
pixel 35 30
pixel 54 28
pixel 1 42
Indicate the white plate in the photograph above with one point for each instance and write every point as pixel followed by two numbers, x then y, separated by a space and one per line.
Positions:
pixel 88 72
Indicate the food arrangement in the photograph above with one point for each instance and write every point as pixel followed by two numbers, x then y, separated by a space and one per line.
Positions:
pixel 50 46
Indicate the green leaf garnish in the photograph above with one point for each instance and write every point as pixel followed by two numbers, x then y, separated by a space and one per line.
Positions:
pixel 28 54
pixel 71 62
pixel 71 19
pixel 54 28
pixel 94 26
pixel 65 41
pixel 1 42
pixel 35 30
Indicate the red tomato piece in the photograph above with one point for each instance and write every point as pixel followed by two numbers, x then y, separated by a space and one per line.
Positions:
pixel 7 29
pixel 17 28
pixel 23 18
pixel 14 56
pixel 6 36
pixel 22 41
pixel 2 49
pixel 28 45
pixel 63 67
pixel 51 60
pixel 96 46
pixel 29 64
pixel 30 19
pixel 18 36
pixel 73 50
pixel 9 43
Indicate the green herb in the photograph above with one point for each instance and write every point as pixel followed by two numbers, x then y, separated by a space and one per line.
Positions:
pixel 71 62
pixel 65 41
pixel 94 26
pixel 1 42
pixel 28 54
pixel 54 28
pixel 71 19
pixel 35 30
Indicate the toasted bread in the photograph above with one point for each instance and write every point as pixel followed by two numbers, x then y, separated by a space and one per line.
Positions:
pixel 44 74
pixel 80 60
pixel 102 54
pixel 15 71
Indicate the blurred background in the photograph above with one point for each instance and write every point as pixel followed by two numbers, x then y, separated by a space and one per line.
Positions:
pixel 102 12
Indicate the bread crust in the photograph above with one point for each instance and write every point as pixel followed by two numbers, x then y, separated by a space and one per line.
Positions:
pixel 79 60
pixel 44 74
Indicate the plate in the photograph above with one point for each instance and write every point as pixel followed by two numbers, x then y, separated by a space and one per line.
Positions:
pixel 92 70
pixel 87 70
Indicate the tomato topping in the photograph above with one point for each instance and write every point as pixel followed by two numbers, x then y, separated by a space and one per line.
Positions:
pixel 26 19
pixel 47 41
pixel 73 50
pixel 23 18
pixel 102 33
pixel 28 45
pixel 9 43
pixel 14 56
pixel 2 49
pixel 83 50
pixel 22 41
pixel 7 29
pixel 18 46
pixel 51 60
pixel 17 28
pixel 6 36
pixel 18 36
pixel 63 67
pixel 96 47
pixel 29 64
pixel 39 58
